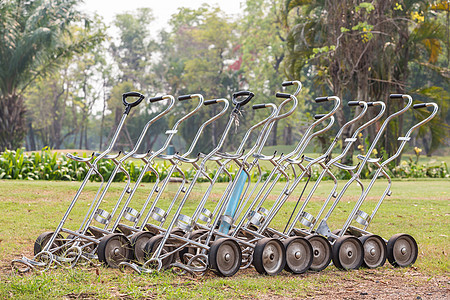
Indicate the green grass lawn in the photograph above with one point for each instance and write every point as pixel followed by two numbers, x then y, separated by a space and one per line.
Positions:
pixel 420 208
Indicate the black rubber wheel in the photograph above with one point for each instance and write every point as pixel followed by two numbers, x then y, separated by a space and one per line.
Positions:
pixel 195 236
pixel 299 255
pixel 138 241
pixel 321 252
pixel 269 256
pixel 348 253
pixel 225 257
pixel 151 247
pixel 374 251
pixel 402 250
pixel 113 249
pixel 44 238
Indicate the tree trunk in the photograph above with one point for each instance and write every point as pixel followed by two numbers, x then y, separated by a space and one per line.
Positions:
pixel 12 122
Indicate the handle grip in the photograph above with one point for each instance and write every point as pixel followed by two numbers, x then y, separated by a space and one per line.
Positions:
pixel 319 116
pixel 129 105
pixel 396 96
pixel 184 97
pixel 419 105
pixel 241 103
pixel 321 99
pixel 353 103
pixel 282 95
pixel 287 83
pixel 209 102
pixel 258 106
pixel 156 99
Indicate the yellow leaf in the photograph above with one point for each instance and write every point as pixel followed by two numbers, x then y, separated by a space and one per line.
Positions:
pixel 434 47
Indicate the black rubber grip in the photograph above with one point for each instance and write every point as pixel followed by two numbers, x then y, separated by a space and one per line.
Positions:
pixel 209 102
pixel 258 106
pixel 156 99
pixel 321 99
pixel 419 105
pixel 287 83
pixel 369 104
pixel 396 96
pixel 241 103
pixel 319 116
pixel 184 97
pixel 353 103
pixel 129 105
pixel 282 95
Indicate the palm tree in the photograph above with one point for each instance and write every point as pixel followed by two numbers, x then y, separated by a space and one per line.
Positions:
pixel 34 37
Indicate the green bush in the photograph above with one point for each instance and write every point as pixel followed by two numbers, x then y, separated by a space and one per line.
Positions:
pixel 48 165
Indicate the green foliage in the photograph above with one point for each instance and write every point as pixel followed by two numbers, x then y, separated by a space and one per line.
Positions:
pixel 48 165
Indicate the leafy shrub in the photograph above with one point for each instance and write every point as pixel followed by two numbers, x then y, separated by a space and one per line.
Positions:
pixel 48 165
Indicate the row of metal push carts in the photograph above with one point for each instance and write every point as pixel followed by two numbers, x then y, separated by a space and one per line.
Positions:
pixel 188 233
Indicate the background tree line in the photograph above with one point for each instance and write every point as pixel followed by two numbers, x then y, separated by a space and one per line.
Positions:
pixel 62 76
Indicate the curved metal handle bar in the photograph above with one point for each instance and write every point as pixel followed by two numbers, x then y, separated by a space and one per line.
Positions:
pixel 149 123
pixel 408 134
pixel 191 113
pixel 80 159
pixel 268 127
pixel 251 129
pixel 294 82
pixel 358 130
pixel 310 137
pixel 230 156
pixel 339 134
pixel 381 130
pixel 260 141
pixel 200 130
pixel 298 151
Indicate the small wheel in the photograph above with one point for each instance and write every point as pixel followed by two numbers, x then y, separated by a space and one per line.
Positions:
pixel 402 250
pixel 348 253
pixel 44 238
pixel 225 257
pixel 299 255
pixel 269 256
pixel 113 249
pixel 192 250
pixel 151 247
pixel 321 252
pixel 374 251
pixel 138 241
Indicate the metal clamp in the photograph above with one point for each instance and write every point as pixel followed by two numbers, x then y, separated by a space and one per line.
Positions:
pixel 102 216
pixel 184 222
pixel 307 219
pixel 256 218
pixel 362 218
pixel 263 211
pixel 205 215
pixel 226 219
pixel 131 214
pixel 158 214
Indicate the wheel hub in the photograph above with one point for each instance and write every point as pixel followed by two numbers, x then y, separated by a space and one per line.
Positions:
pixel 227 257
pixel 403 251
pixel 298 255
